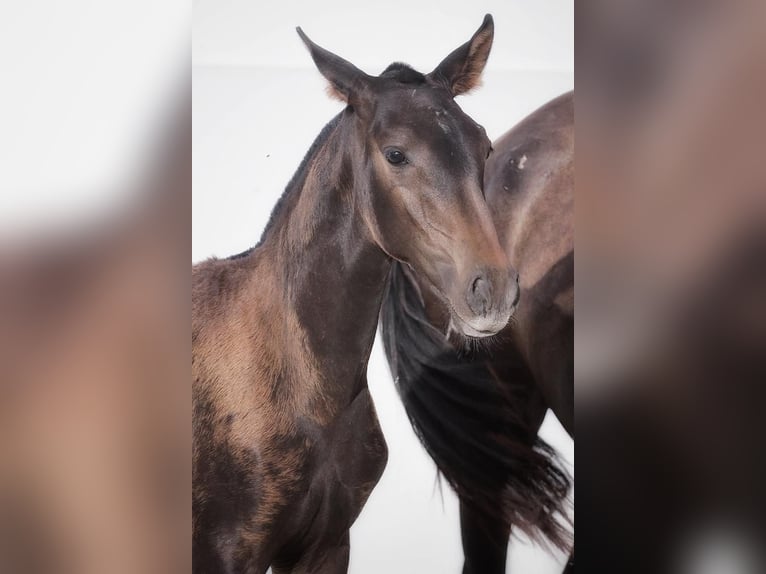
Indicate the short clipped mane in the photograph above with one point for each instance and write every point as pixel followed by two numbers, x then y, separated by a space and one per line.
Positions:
pixel 403 73
pixel 294 183
pixel 398 72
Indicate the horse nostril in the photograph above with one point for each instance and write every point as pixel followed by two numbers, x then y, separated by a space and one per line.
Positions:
pixel 516 285
pixel 479 294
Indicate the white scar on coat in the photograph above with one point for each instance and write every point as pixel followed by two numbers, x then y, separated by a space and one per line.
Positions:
pixel 444 126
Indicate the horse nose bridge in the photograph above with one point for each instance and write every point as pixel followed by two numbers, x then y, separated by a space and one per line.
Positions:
pixel 488 253
pixel 481 239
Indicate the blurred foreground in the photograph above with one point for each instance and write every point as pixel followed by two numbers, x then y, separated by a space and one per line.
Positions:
pixel 94 400
pixel 95 412
pixel 670 345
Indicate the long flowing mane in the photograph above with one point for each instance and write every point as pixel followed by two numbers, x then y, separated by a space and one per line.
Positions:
pixel 469 422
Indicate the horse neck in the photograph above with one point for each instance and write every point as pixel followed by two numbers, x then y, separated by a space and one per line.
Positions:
pixel 333 274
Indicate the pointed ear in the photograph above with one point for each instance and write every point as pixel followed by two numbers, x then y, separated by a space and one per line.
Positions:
pixel 347 83
pixel 461 71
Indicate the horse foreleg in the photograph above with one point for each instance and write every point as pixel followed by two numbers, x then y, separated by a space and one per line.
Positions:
pixel 485 541
pixel 569 569
pixel 324 560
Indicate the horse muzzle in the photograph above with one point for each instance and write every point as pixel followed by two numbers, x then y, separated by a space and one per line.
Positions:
pixel 492 296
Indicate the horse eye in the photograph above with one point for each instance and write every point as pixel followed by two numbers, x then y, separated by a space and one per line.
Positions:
pixel 395 157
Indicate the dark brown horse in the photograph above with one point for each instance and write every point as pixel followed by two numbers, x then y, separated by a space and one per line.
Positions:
pixel 477 406
pixel 287 446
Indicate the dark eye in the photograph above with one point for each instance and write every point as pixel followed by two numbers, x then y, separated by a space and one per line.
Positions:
pixel 491 149
pixel 395 157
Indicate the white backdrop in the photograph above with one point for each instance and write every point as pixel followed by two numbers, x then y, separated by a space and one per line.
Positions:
pixel 258 105
pixel 86 93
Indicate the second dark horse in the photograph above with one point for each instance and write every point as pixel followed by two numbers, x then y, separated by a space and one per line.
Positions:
pixel 477 406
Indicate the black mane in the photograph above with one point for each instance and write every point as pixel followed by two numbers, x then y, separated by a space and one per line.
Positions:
pixel 403 73
pixel 471 424
pixel 294 183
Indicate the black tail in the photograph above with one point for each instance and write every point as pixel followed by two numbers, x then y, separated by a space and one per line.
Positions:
pixel 473 426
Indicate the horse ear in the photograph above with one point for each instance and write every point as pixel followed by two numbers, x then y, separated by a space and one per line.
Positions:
pixel 461 70
pixel 347 83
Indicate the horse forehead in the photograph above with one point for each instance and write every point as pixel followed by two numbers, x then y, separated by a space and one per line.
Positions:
pixel 440 117
pixel 446 121
pixel 451 121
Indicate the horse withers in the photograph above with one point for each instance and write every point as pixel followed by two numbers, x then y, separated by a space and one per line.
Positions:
pixel 287 445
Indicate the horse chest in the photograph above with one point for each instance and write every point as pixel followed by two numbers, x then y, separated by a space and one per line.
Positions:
pixel 307 498
pixel 358 448
pixel 349 458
